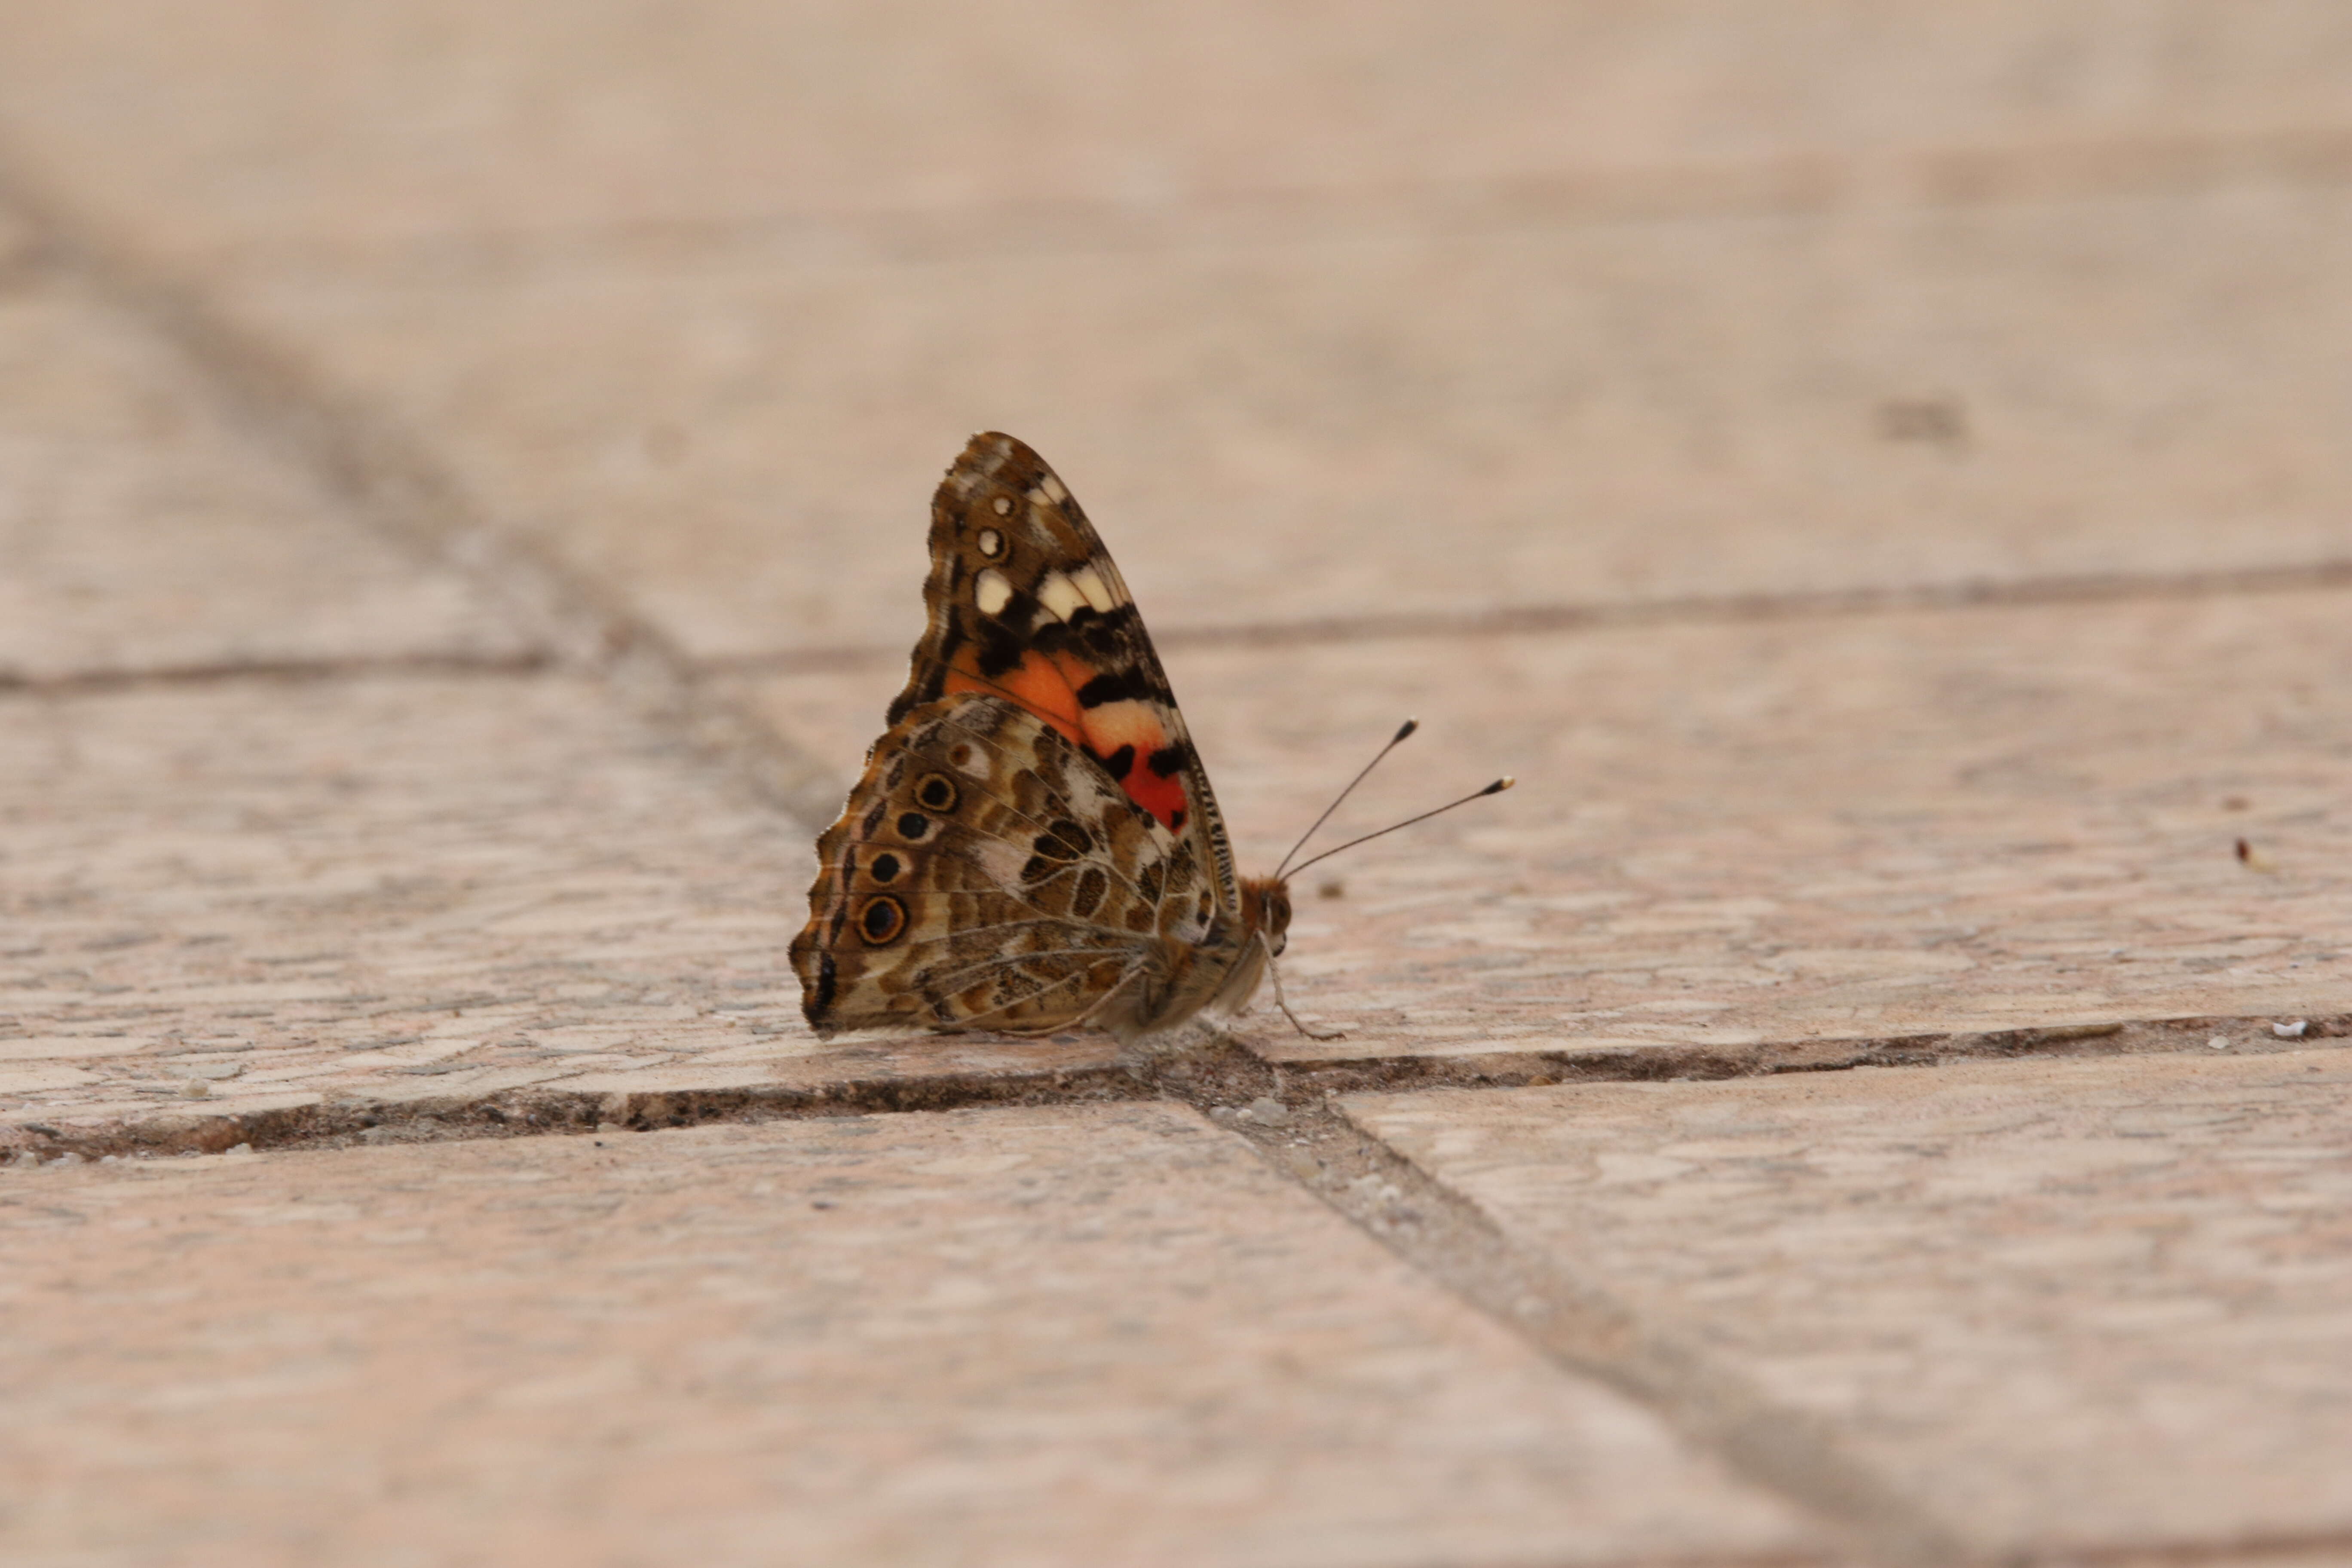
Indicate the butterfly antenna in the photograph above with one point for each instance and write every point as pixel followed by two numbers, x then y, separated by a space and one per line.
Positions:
pixel 1497 788
pixel 1407 728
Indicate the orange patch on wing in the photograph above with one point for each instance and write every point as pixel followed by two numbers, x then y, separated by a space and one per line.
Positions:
pixel 1038 685
pixel 1048 687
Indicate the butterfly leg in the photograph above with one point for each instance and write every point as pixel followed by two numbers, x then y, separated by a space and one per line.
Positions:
pixel 1279 1001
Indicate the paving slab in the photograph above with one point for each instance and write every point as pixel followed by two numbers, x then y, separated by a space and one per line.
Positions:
pixel 2082 1306
pixel 297 126
pixel 144 531
pixel 1735 844
pixel 1732 836
pixel 1048 1336
pixel 1367 427
pixel 389 895
pixel 1677 310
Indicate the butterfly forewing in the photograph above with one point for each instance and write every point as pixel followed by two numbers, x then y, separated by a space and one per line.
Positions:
pixel 1024 602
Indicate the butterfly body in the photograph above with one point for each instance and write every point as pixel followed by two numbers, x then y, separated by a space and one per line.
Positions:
pixel 1033 845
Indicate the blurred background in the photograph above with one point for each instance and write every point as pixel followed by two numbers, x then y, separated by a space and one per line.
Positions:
pixel 1326 311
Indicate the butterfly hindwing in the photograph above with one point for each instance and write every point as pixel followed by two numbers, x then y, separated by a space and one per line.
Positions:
pixel 987 874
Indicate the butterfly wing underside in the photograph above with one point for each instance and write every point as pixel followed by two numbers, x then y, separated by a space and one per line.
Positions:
pixel 1033 843
pixel 986 875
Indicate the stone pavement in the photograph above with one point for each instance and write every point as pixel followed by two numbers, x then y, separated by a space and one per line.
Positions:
pixel 1875 1093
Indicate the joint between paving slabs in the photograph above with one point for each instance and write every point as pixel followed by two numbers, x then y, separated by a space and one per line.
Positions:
pixel 1306 1135
pixel 389 482
pixel 1220 1076
pixel 344 1121
pixel 1534 1068
pixel 1291 1118
pixel 1526 620
pixel 1295 1123
pixel 426 665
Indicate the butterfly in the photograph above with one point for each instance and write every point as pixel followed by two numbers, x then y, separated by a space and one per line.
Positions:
pixel 1034 846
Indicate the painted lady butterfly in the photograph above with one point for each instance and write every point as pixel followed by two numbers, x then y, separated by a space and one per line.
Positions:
pixel 1034 846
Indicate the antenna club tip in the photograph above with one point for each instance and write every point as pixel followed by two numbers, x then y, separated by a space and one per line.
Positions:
pixel 1499 786
pixel 1408 727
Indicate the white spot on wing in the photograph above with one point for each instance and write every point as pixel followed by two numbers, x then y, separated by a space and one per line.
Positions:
pixel 1000 861
pixel 991 591
pixel 1004 505
pixel 1060 596
pixel 1090 582
pixel 991 543
pixel 1052 488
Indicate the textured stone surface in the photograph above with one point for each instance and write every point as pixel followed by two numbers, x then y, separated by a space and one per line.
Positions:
pixel 397 888
pixel 1034 1337
pixel 1330 313
pixel 2065 1304
pixel 143 533
pixel 1359 426
pixel 1895 824
pixel 1727 837
pixel 297 126
pixel 1325 314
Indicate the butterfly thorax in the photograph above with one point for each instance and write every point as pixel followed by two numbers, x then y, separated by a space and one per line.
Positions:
pixel 1213 973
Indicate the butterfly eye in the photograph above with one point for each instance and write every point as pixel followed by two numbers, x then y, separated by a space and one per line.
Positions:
pixel 938 792
pixel 881 921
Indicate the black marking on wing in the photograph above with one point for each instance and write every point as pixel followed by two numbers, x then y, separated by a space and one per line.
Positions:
pixel 1123 686
pixel 1000 647
pixel 827 983
pixel 1105 636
